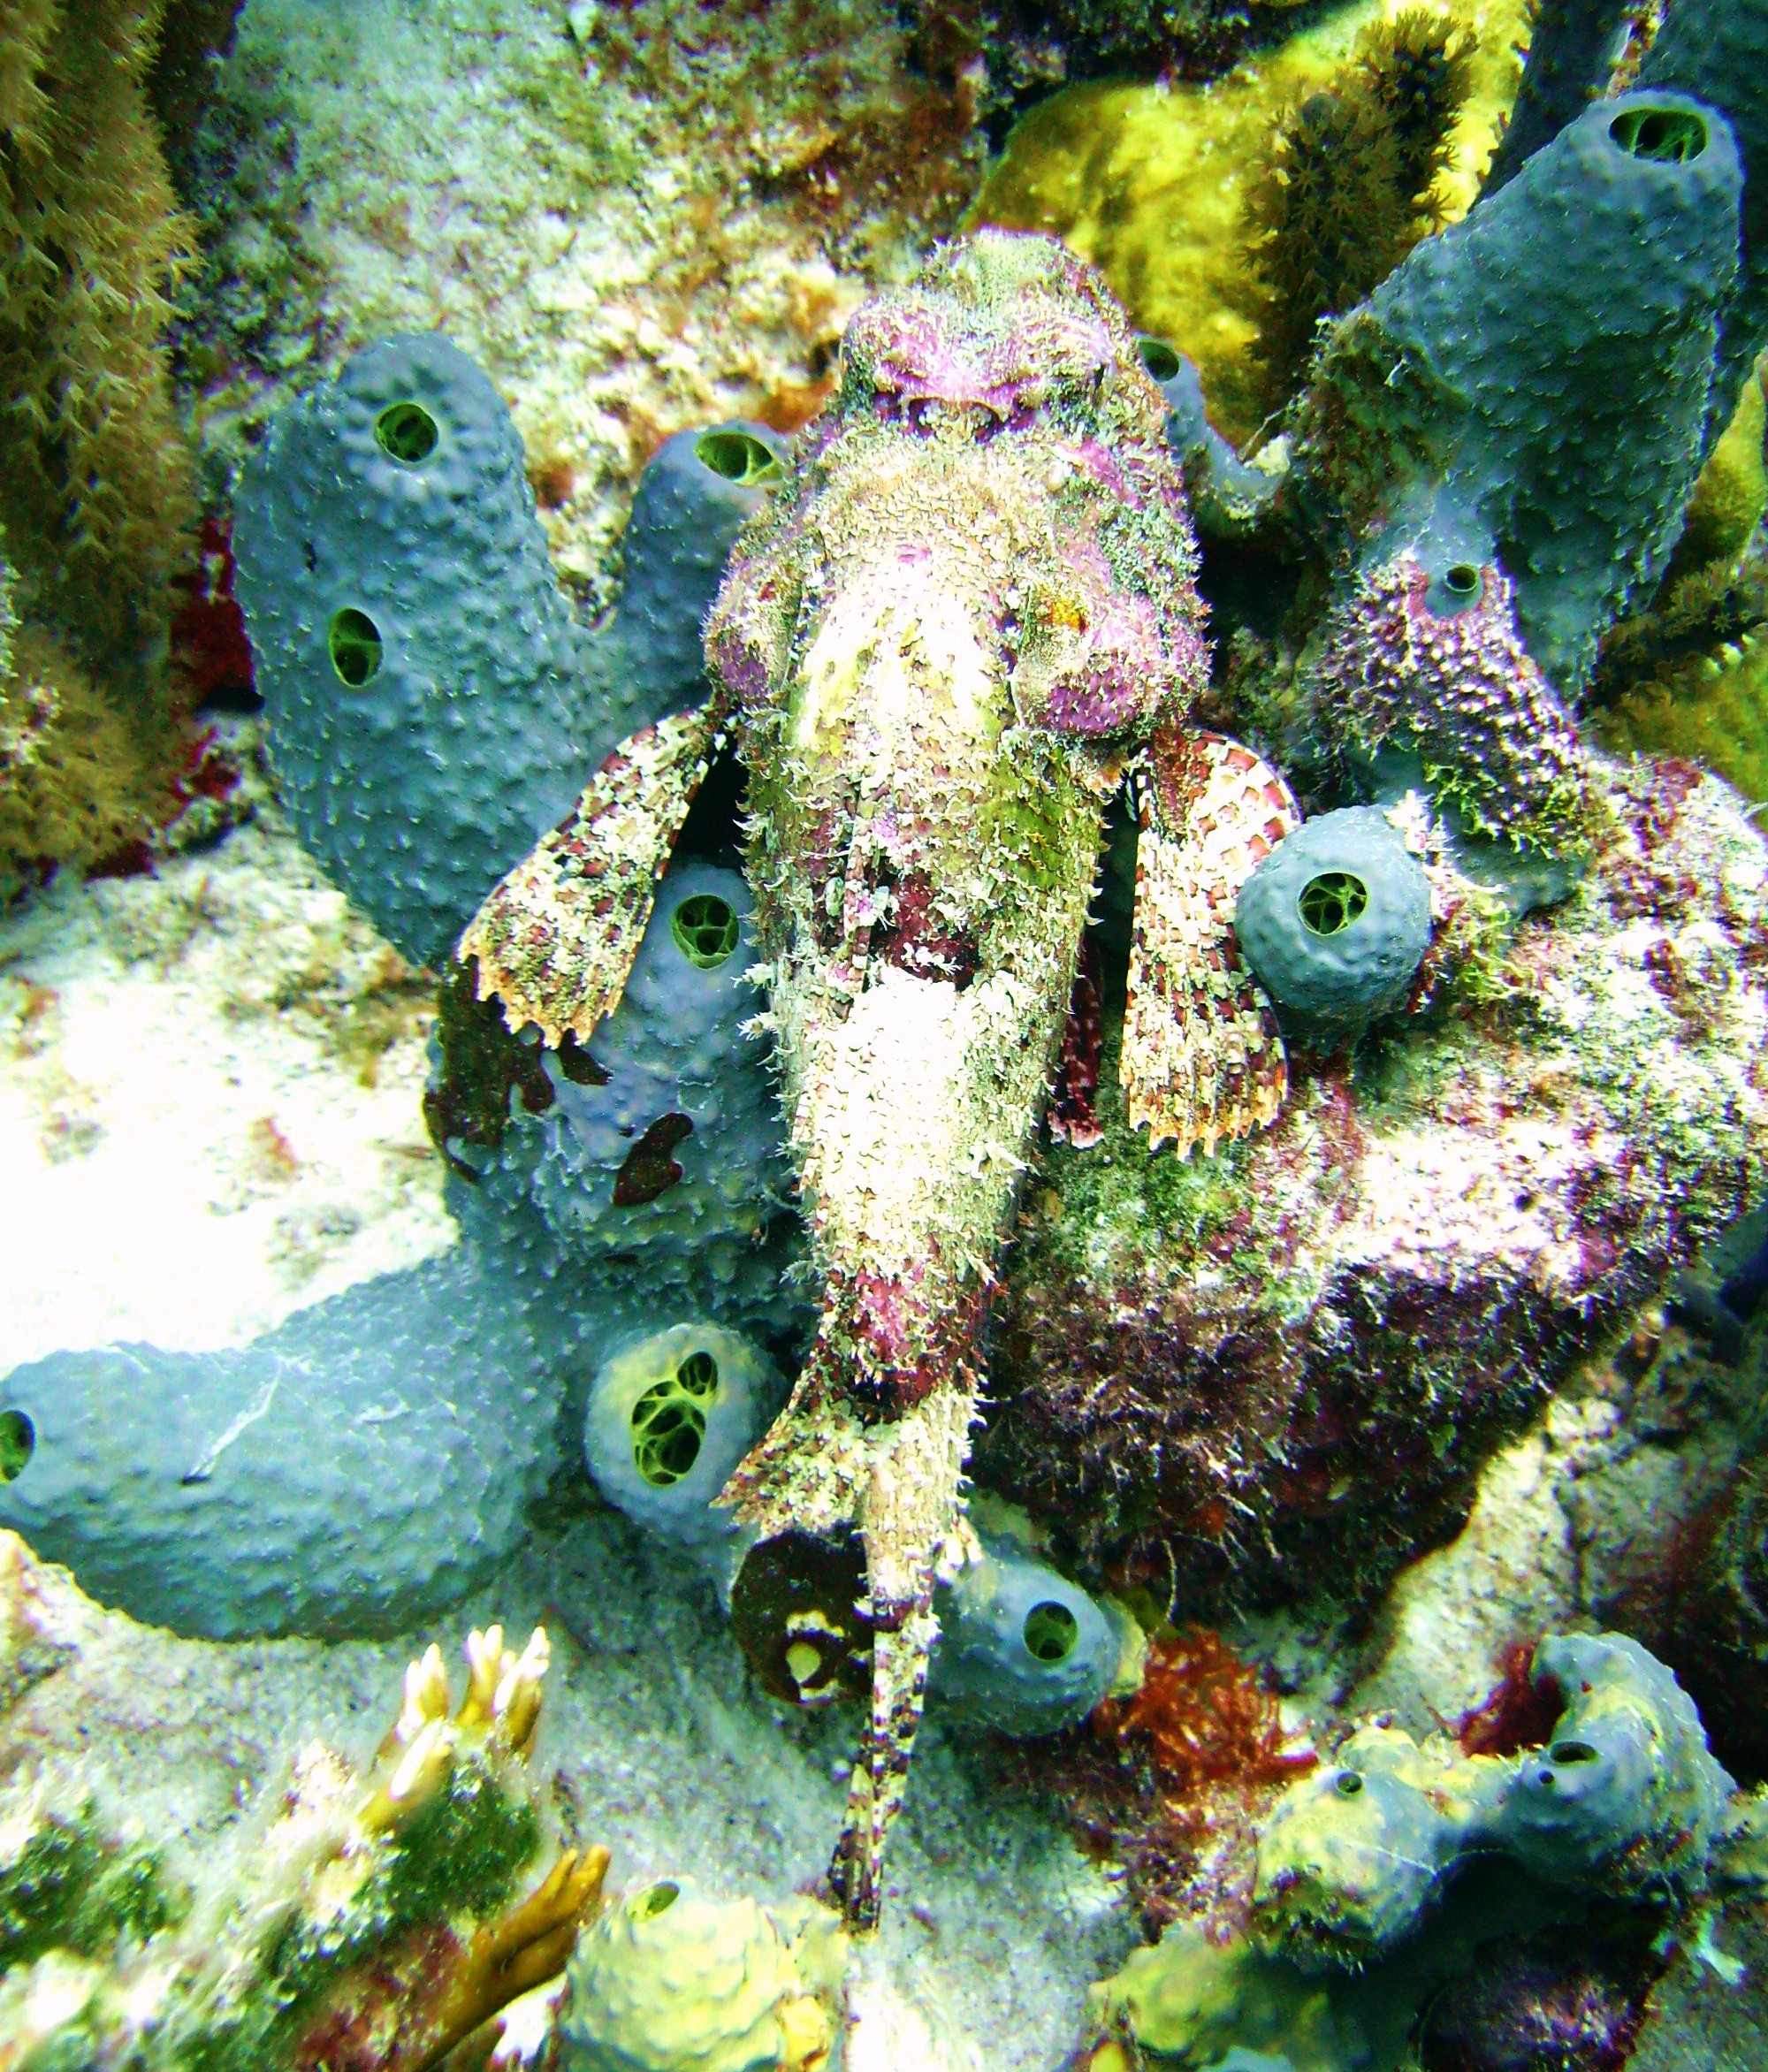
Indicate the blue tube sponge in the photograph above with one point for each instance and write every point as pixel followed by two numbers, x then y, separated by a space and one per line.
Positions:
pixel 1337 918
pixel 418 663
pixel 670 1414
pixel 1548 361
pixel 1716 50
pixel 434 706
pixel 1626 1796
pixel 696 491
pixel 661 1154
pixel 1624 1799
pixel 1021 1649
pixel 350 1472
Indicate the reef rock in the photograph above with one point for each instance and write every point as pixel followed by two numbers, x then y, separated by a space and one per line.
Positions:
pixel 1278 1371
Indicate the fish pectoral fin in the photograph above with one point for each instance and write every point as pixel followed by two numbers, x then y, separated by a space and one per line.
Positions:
pixel 808 1472
pixel 1203 1058
pixel 555 941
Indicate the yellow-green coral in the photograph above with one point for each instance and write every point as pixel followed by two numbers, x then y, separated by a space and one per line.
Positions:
pixel 1350 184
pixel 1715 711
pixel 670 1981
pixel 82 778
pixel 1151 183
pixel 375 1907
pixel 1731 494
pixel 1191 1999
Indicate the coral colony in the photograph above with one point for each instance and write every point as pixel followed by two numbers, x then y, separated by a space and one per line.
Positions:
pixel 998 1109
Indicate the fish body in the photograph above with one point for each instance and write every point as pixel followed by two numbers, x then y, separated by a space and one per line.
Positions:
pixel 965 617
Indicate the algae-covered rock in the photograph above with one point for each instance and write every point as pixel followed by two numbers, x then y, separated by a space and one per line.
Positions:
pixel 671 1980
pixel 1277 1373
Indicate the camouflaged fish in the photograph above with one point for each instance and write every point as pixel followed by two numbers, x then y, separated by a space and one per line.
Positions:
pixel 963 619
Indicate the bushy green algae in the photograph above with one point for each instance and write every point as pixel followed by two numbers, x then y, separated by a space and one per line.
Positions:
pixel 69 1887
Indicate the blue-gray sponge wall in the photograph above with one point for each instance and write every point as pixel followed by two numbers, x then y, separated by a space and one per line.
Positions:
pixel 434 706
pixel 1549 360
pixel 1717 51
pixel 349 1473
pixel 648 660
pixel 419 785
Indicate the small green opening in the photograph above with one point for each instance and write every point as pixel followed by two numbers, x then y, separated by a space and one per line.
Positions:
pixel 1565 1753
pixel 17 1442
pixel 1348 1784
pixel 1159 358
pixel 705 928
pixel 698 1375
pixel 1051 1630
pixel 658 1901
pixel 1668 136
pixel 739 456
pixel 669 1421
pixel 1461 579
pixel 406 432
pixel 1330 903
pixel 355 645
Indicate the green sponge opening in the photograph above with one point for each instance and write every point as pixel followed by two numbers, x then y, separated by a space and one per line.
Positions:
pixel 739 456
pixel 1665 136
pixel 406 432
pixel 658 1900
pixel 1051 1630
pixel 1330 903
pixel 1461 579
pixel 355 645
pixel 1567 1753
pixel 669 1420
pixel 705 928
pixel 17 1442
pixel 1348 1784
pixel 1161 360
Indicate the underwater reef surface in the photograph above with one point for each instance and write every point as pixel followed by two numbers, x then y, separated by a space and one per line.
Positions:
pixel 1430 1378
pixel 634 219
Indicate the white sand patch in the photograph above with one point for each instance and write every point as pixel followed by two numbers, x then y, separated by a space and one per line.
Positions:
pixel 209 1103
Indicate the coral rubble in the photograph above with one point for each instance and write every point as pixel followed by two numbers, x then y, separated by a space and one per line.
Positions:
pixel 370 1912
